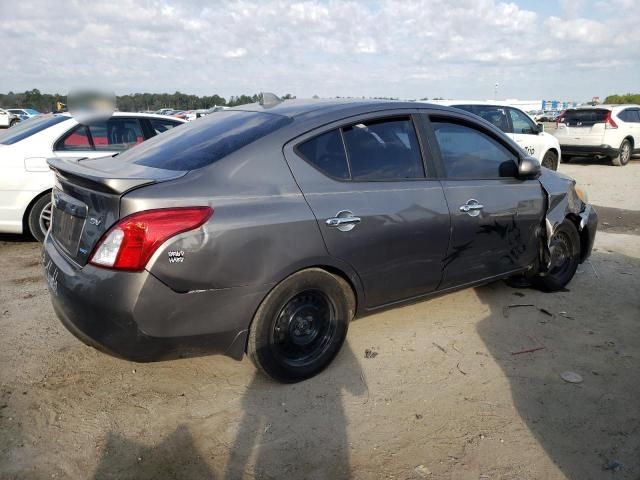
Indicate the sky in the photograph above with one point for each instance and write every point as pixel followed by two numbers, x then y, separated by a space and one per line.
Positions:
pixel 410 49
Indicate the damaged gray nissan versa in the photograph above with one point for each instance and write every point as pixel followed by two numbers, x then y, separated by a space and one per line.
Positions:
pixel 265 229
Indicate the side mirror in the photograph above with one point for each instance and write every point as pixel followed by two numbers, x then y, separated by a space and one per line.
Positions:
pixel 529 167
pixel 540 128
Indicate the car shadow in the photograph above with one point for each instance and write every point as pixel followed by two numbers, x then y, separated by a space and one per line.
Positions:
pixel 618 220
pixel 16 238
pixel 176 457
pixel 282 431
pixel 590 427
pixel 298 430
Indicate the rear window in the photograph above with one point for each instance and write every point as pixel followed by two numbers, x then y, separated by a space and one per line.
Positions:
pixel 584 118
pixel 206 141
pixel 30 127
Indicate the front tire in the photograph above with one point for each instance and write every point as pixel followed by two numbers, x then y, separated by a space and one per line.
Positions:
pixel 39 219
pixel 624 154
pixel 13 122
pixel 301 325
pixel 550 160
pixel 565 257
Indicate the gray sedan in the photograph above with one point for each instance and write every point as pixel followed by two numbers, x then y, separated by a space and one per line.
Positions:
pixel 267 228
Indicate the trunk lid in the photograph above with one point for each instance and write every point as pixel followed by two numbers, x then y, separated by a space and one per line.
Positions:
pixel 86 199
pixel 582 127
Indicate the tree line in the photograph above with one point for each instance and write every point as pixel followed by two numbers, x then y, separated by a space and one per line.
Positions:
pixel 45 102
pixel 626 98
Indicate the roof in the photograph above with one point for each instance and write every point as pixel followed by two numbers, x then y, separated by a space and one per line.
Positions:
pixel 607 106
pixel 296 108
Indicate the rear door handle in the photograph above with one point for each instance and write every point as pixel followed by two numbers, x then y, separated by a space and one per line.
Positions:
pixel 343 221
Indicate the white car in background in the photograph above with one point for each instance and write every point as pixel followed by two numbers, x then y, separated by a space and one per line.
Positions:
pixel 24 113
pixel 8 119
pixel 518 125
pixel 610 131
pixel 26 180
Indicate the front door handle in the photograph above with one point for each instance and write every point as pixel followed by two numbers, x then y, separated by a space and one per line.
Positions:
pixel 472 207
pixel 343 221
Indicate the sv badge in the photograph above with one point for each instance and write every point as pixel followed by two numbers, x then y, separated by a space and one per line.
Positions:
pixel 95 221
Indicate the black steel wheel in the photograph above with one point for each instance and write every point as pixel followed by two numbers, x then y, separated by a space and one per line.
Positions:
pixel 564 251
pixel 301 325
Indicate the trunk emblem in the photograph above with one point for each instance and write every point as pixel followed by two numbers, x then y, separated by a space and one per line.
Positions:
pixel 95 221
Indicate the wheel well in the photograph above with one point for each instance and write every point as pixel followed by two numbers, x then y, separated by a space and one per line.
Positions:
pixel 332 270
pixel 630 138
pixel 25 217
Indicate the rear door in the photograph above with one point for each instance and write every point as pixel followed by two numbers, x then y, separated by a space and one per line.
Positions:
pixel 496 218
pixel 377 204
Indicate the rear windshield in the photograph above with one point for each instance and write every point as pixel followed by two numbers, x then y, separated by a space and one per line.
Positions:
pixel 29 127
pixel 578 118
pixel 204 141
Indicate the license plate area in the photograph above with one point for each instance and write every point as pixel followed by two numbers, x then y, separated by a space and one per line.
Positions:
pixel 67 221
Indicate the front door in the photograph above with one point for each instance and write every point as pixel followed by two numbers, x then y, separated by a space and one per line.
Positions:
pixel 376 209
pixel 526 134
pixel 496 218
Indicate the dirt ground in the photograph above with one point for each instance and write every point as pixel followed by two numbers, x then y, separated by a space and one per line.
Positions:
pixel 445 396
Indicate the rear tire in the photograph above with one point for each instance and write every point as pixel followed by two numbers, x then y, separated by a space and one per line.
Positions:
pixel 624 154
pixel 565 257
pixel 550 160
pixel 39 219
pixel 301 325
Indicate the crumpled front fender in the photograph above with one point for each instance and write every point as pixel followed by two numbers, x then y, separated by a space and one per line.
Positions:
pixel 562 201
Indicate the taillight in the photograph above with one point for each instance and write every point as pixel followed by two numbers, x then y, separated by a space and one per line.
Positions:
pixel 131 242
pixel 608 121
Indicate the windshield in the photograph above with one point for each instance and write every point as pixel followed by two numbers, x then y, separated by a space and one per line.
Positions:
pixel 204 142
pixel 30 127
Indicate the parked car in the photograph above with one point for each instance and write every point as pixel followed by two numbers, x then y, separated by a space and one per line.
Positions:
pixel 8 119
pixel 601 131
pixel 24 112
pixel 265 229
pixel 518 125
pixel 25 186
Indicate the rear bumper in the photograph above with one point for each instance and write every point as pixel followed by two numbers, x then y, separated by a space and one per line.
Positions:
pixel 588 227
pixel 588 151
pixel 136 317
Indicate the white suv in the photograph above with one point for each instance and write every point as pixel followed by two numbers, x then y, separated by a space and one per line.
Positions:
pixel 518 125
pixel 611 131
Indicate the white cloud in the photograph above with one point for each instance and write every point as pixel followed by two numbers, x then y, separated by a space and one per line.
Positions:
pixel 408 49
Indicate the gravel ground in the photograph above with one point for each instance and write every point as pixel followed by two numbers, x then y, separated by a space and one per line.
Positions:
pixel 445 396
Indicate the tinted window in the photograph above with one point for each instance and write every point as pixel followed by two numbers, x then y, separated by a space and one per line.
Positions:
pixel 326 152
pixel 383 150
pixel 30 127
pixel 469 153
pixel 161 126
pixel 116 134
pixel 493 114
pixel 76 139
pixel 522 124
pixel 629 115
pixel 584 117
pixel 206 141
